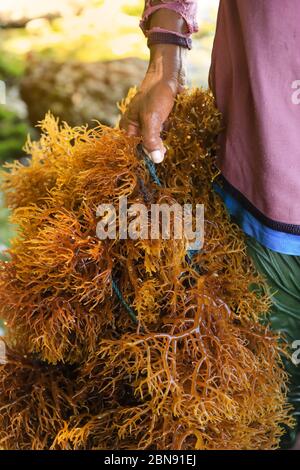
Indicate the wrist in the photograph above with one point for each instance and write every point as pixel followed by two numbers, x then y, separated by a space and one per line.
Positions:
pixel 169 52
pixel 167 63
pixel 165 58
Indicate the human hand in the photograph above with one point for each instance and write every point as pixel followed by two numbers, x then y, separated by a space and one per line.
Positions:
pixel 151 106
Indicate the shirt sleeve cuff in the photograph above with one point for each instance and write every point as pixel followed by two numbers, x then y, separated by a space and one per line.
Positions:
pixel 186 8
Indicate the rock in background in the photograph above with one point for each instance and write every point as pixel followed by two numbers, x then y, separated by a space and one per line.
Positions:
pixel 79 92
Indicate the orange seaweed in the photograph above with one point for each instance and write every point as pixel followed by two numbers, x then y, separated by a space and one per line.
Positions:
pixel 198 370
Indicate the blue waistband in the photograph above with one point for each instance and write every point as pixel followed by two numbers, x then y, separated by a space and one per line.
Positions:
pixel 286 243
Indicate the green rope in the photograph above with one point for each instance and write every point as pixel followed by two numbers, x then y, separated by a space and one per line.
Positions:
pixel 149 164
pixel 123 301
pixel 190 254
pixel 151 168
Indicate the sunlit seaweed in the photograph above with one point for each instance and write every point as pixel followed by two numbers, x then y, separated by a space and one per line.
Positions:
pixel 198 370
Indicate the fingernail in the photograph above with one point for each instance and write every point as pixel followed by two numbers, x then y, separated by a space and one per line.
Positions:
pixel 156 156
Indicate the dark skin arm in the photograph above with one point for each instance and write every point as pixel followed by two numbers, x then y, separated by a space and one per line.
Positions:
pixel 165 78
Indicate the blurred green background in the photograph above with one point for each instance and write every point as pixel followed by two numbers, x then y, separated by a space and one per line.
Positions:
pixel 76 58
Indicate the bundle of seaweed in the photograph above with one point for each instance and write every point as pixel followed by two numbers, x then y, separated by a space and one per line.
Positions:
pixel 197 369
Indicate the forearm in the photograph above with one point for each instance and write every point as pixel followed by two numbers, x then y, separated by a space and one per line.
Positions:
pixel 168 26
pixel 166 59
pixel 167 20
pixel 167 63
pixel 178 16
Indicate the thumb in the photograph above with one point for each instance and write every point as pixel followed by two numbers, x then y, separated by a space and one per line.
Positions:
pixel 152 142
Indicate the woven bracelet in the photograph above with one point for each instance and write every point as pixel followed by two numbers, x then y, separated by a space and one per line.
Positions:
pixel 168 38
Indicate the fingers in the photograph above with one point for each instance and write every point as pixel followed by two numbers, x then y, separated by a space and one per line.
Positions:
pixel 130 119
pixel 157 156
pixel 146 116
pixel 152 142
pixel 132 128
pixel 159 106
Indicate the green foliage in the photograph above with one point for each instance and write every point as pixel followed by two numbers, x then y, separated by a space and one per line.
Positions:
pixel 11 65
pixel 88 36
pixel 6 234
pixel 13 133
pixel 6 229
pixel 135 9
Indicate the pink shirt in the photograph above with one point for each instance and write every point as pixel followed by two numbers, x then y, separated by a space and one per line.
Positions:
pixel 186 8
pixel 254 73
pixel 255 65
